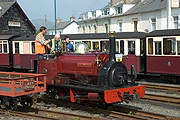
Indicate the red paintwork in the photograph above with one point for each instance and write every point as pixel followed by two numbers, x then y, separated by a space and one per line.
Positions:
pixel 22 84
pixel 20 60
pixel 24 60
pixel 132 59
pixel 111 96
pixel 79 64
pixel 4 59
pixel 51 67
pixel 75 65
pixel 163 64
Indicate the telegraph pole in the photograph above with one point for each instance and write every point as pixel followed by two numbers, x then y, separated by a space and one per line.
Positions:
pixel 55 15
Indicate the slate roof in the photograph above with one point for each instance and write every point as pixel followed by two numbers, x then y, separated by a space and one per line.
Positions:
pixel 147 6
pixel 169 32
pixel 62 25
pixel 5 5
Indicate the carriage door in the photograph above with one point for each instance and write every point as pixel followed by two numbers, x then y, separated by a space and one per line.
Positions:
pixel 142 55
pixel 131 55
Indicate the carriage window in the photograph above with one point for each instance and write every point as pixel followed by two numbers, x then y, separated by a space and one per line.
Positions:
pixel 157 48
pixel 0 46
pixel 88 43
pixel 117 46
pixel 169 46
pixel 5 46
pixel 95 45
pixel 131 47
pixel 150 46
pixel 178 47
pixel 122 46
pixel 16 47
pixel 33 47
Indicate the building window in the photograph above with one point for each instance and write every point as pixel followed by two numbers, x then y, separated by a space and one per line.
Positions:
pixel 120 27
pixel 169 46
pixel 83 29
pixel 106 11
pixel 135 26
pixel 175 19
pixel 33 47
pixel 122 46
pixel 95 29
pixel 94 14
pixel 89 28
pixel 119 10
pixel 131 47
pixel 157 47
pixel 150 46
pixel 106 28
pixel 16 47
pixel 153 23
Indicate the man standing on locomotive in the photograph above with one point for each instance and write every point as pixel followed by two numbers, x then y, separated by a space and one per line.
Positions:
pixel 69 45
pixel 40 42
pixel 56 44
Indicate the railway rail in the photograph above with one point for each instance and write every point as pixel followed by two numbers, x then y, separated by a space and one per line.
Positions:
pixel 48 115
pixel 168 88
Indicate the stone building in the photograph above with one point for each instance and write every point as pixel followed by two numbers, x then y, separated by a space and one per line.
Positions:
pixel 13 20
pixel 130 16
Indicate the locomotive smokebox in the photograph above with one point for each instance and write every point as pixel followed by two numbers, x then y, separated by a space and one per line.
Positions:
pixel 112 39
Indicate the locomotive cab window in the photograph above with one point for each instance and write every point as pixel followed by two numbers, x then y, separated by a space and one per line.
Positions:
pixel 131 47
pixel 169 46
pixel 158 48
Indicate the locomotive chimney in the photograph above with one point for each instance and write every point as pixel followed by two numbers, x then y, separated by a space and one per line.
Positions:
pixel 112 40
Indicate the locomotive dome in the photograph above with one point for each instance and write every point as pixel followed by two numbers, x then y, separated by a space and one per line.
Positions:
pixel 82 48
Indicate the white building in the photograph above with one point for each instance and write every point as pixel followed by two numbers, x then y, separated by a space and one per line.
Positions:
pixel 67 27
pixel 143 16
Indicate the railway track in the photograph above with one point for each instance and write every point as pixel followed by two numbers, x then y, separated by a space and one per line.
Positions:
pixel 48 115
pixel 168 88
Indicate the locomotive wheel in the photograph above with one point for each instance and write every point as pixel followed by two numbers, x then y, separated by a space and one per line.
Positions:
pixel 118 75
pixel 26 102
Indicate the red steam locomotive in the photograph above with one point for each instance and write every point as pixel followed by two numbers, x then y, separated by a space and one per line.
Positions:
pixel 90 76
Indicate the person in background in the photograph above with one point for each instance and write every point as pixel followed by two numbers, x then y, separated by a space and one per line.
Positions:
pixel 40 42
pixel 69 45
pixel 56 44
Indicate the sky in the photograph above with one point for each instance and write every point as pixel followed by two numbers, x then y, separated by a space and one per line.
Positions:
pixel 36 9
